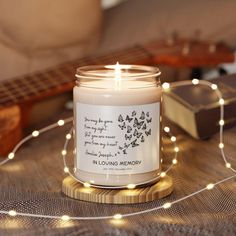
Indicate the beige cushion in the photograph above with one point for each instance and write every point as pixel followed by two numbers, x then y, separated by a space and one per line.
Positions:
pixel 36 34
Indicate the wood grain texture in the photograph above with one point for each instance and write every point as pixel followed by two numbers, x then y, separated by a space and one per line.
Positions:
pixel 76 190
pixel 10 128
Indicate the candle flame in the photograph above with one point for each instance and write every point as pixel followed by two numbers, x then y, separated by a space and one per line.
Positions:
pixel 117 71
pixel 117 76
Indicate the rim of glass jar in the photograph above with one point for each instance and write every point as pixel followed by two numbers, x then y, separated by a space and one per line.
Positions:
pixel 90 73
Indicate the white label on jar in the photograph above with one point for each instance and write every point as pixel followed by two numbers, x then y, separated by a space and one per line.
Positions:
pixel 117 139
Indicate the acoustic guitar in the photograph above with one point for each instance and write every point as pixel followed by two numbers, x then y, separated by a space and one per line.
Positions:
pixel 18 95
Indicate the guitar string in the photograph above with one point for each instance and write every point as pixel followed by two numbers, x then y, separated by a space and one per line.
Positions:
pixel 123 58
pixel 45 78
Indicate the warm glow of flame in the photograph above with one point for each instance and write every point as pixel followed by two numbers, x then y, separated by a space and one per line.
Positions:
pixel 117 71
pixel 117 76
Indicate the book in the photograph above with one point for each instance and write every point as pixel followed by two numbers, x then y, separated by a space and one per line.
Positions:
pixel 196 108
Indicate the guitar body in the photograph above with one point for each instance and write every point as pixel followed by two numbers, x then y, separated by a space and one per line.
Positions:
pixel 18 95
pixel 10 128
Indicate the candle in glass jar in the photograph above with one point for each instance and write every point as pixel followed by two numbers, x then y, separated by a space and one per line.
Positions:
pixel 117 124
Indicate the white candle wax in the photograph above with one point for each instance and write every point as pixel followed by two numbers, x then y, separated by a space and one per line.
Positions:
pixel 117 126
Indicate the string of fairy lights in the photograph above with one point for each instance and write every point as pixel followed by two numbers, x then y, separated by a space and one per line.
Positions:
pixel 166 87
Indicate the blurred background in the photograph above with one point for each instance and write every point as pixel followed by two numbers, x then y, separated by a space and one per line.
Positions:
pixel 38 34
pixel 42 42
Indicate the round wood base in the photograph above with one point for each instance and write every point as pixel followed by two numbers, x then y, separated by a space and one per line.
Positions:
pixel 76 190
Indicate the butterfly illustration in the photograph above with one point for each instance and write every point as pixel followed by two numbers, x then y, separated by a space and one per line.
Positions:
pixel 124 151
pixel 135 132
pixel 135 120
pixel 149 120
pixel 142 139
pixel 138 135
pixel 129 119
pixel 138 124
pixel 147 114
pixel 122 126
pixel 120 147
pixel 134 113
pixel 126 145
pixel 120 118
pixel 134 144
pixel 144 127
pixel 129 129
pixel 142 117
pixel 128 137
pixel 148 132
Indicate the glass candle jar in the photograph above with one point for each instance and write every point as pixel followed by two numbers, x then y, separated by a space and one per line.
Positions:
pixel 117 113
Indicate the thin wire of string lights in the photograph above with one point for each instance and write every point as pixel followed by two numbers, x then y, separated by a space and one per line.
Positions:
pixel 118 216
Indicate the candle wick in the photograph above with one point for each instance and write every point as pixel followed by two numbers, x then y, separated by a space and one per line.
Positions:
pixel 117 76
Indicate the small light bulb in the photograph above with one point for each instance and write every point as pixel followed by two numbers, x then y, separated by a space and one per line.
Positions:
pixel 163 174
pixel 65 217
pixel 165 86
pixel 68 136
pixel 35 133
pixel 195 81
pixel 87 185
pixel 166 205
pixel 214 86
pixel 66 169
pixel 176 149
pixel 12 213
pixel 221 145
pixel 63 152
pixel 228 165
pixel 92 181
pixel 222 101
pixel 117 216
pixel 174 161
pixel 221 122
pixel 11 155
pixel 210 186
pixel 131 186
pixel 61 122
pixel 173 138
pixel 167 129
pixel 161 160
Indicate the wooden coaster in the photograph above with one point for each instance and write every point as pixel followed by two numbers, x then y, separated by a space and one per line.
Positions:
pixel 76 190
